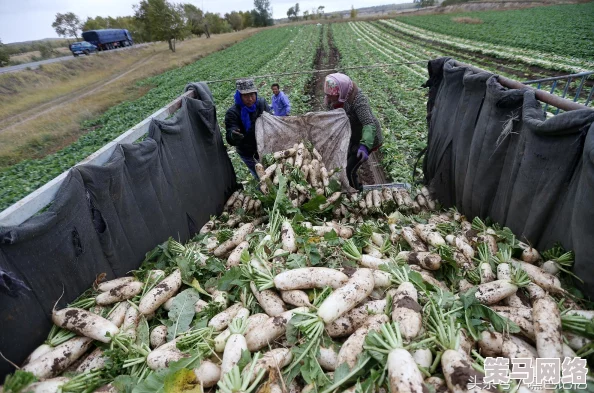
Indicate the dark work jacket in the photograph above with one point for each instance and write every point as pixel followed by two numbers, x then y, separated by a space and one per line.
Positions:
pixel 248 146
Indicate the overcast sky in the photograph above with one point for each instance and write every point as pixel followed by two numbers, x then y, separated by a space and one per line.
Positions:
pixel 25 20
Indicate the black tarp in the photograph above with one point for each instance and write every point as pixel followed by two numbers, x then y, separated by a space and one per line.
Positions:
pixel 500 117
pixel 54 251
pixel 105 218
pixel 466 117
pixel 510 163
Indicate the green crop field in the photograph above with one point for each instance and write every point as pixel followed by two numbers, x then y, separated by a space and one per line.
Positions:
pixel 560 43
pixel 564 30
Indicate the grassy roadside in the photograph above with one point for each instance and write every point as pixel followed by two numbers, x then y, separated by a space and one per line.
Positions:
pixel 66 94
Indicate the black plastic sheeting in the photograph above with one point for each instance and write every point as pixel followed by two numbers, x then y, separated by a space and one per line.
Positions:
pixel 104 219
pixel 492 153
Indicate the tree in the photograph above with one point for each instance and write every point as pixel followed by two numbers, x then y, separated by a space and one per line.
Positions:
pixel 4 56
pixel 424 3
pixel 163 21
pixel 235 20
pixel 262 13
pixel 246 19
pixel 353 12
pixel 195 18
pixel 321 11
pixel 306 14
pixel 216 24
pixel 67 25
pixel 293 12
pixel 94 24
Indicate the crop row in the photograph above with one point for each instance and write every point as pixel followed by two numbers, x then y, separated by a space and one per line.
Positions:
pixel 394 94
pixel 426 49
pixel 527 56
pixel 563 30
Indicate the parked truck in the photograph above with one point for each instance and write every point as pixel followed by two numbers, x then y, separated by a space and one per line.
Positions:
pixel 108 38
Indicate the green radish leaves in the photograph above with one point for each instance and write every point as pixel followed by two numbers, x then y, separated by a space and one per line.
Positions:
pixel 296 261
pixel 475 313
pixel 186 268
pixel 332 238
pixel 231 278
pixel 181 313
pixel 314 204
pixel 245 359
pixel 309 368
pixel 16 382
pixel 125 383
pixel 142 332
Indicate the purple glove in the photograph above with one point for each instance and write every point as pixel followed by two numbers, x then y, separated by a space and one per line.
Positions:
pixel 363 153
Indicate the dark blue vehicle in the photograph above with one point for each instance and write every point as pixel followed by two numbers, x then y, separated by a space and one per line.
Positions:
pixel 82 48
pixel 108 38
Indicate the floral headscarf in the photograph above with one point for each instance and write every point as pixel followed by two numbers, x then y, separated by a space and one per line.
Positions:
pixel 338 84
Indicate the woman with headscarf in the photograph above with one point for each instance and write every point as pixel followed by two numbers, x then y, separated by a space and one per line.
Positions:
pixel 366 136
pixel 240 122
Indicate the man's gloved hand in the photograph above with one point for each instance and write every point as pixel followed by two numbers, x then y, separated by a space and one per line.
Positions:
pixel 363 153
pixel 237 136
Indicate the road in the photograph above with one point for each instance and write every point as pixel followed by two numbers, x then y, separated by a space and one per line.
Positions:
pixel 36 64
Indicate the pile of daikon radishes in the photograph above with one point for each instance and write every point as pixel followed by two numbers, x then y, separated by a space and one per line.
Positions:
pixel 282 299
pixel 307 178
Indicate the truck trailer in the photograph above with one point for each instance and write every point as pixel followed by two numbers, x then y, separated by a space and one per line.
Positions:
pixel 106 39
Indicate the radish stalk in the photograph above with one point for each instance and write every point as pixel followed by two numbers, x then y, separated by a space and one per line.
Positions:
pixel 85 323
pixel 288 237
pixel 253 321
pixel 354 345
pixel 119 293
pixel 269 301
pixel 154 298
pixel 234 382
pixel 426 260
pixel 311 277
pixel 54 362
pixel 406 310
pixel 235 345
pixel 547 328
pixel 495 291
pixel 403 373
pixel 413 241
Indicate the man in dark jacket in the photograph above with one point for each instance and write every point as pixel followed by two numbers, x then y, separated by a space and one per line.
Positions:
pixel 240 122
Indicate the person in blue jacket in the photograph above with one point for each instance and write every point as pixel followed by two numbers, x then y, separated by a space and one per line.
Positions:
pixel 240 122
pixel 280 103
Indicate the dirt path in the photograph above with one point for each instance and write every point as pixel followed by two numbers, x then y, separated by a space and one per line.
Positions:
pixel 328 57
pixel 47 107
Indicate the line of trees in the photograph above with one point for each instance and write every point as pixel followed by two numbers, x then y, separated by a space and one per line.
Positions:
pixel 161 20
pixel 315 13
